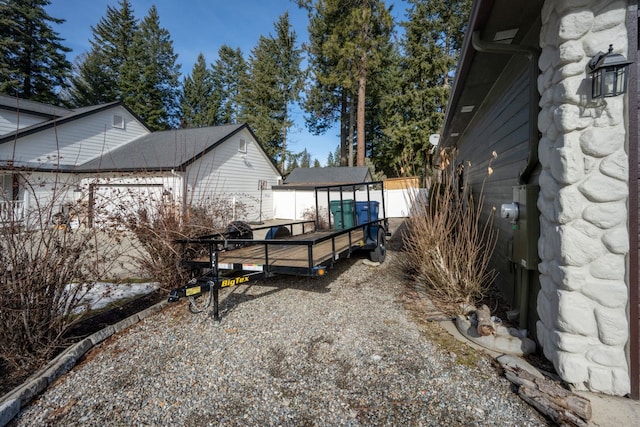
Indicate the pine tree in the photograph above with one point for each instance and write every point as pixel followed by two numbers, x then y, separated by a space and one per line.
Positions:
pixel 149 78
pixel 229 71
pixel 316 163
pixel 431 43
pixel 98 74
pixel 346 40
pixel 276 81
pixel 199 104
pixel 305 158
pixel 327 97
pixel 33 64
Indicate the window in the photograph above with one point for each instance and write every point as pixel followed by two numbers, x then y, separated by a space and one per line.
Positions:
pixel 243 146
pixel 118 122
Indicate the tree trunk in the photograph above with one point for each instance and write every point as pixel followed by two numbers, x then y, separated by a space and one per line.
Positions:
pixel 362 90
pixel 344 122
pixel 351 121
pixel 284 139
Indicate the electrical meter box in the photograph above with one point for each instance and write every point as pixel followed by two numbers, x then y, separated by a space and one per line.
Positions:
pixel 526 230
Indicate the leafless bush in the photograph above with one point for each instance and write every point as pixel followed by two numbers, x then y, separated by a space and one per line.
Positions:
pixel 157 228
pixel 321 221
pixel 449 246
pixel 47 268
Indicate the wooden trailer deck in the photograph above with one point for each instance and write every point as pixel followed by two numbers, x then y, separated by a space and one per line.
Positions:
pixel 296 251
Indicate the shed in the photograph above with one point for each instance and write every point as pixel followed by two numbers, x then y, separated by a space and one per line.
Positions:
pixel 314 177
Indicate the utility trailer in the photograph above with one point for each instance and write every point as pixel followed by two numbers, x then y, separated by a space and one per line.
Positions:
pixel 306 248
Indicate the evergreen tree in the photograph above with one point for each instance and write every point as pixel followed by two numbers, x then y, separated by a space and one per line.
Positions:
pixel 327 97
pixel 33 64
pixel 149 78
pixel 316 163
pixel 276 81
pixel 433 37
pixel 198 102
pixel 372 24
pixel 98 74
pixel 229 71
pixel 333 159
pixel 305 158
pixel 292 162
pixel 346 40
pixel 330 160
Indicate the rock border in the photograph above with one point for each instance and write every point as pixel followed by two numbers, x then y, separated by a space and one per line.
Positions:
pixel 12 403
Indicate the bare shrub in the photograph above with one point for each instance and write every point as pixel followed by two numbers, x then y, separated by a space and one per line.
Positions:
pixel 47 268
pixel 449 246
pixel 321 220
pixel 157 228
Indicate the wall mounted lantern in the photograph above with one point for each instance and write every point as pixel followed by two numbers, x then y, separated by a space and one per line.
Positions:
pixel 608 74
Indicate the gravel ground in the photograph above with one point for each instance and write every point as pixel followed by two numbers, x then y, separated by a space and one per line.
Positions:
pixel 341 350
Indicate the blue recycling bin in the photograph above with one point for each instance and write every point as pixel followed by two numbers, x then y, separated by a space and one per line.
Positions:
pixel 367 212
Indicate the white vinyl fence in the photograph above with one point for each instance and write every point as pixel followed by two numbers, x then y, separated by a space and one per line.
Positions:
pixel 293 204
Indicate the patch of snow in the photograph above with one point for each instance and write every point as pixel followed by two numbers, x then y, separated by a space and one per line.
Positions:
pixel 102 294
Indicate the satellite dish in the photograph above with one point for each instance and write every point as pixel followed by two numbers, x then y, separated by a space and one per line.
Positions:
pixel 434 139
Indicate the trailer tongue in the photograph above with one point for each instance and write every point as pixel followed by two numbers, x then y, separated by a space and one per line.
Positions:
pixel 299 248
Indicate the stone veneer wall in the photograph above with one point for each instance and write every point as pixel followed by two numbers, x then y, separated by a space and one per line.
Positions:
pixel 582 304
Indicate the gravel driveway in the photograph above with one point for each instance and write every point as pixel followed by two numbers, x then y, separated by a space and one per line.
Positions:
pixel 290 351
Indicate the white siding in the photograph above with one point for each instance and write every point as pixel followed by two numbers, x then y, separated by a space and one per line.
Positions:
pixel 75 142
pixel 10 121
pixel 127 194
pixel 45 194
pixel 230 173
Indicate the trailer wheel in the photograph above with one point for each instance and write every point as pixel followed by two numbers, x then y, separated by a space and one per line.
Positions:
pixel 380 252
pixel 239 230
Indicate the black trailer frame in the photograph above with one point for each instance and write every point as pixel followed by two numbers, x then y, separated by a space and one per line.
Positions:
pixel 235 261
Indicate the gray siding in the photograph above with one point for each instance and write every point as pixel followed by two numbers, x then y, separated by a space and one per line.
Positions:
pixel 11 121
pixel 501 125
pixel 75 142
pixel 227 172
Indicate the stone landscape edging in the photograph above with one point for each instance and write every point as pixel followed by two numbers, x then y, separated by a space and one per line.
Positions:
pixel 12 403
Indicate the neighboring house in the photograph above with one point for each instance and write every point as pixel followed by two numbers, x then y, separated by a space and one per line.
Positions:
pixel 108 159
pixel 569 265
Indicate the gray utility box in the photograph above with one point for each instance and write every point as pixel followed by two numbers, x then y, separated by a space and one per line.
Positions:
pixel 526 230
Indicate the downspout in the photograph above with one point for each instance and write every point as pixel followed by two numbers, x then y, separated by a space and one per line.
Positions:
pixel 532 54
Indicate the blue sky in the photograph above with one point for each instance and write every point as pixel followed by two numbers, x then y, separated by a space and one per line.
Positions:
pixel 202 26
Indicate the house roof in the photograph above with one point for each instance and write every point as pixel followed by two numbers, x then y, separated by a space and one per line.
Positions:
pixel 165 150
pixel 13 103
pixel 507 22
pixel 314 177
pixel 71 115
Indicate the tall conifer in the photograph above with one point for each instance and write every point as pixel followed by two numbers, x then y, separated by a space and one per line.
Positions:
pixel 229 72
pixel 33 64
pixel 275 82
pixel 432 40
pixel 98 73
pixel 149 78
pixel 198 102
